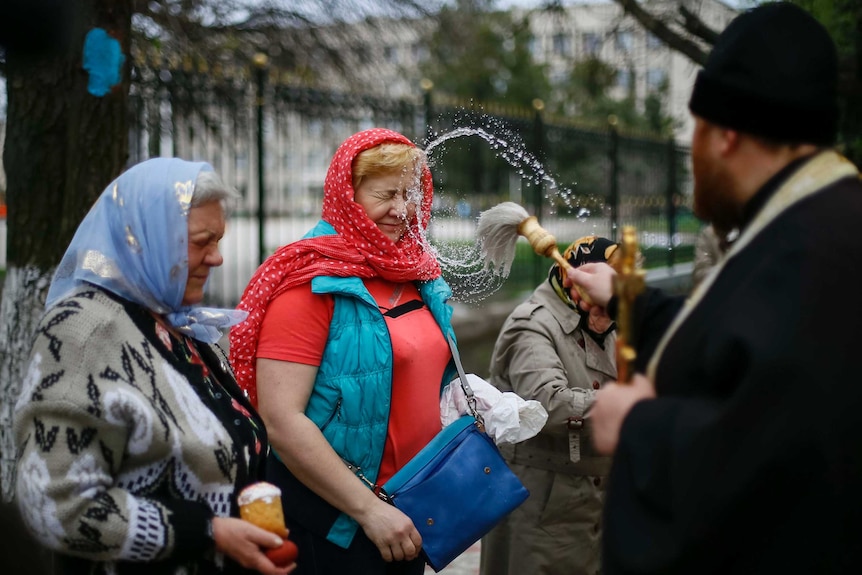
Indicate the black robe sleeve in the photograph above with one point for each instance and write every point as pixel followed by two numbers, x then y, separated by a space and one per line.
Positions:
pixel 652 314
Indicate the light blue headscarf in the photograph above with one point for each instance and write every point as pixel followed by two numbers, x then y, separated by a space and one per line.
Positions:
pixel 134 243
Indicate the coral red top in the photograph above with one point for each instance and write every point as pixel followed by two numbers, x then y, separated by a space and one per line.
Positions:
pixel 420 355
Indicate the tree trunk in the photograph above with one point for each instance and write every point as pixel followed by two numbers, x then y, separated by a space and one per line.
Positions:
pixel 63 147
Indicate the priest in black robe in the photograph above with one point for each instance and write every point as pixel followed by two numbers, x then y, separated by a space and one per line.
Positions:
pixel 738 448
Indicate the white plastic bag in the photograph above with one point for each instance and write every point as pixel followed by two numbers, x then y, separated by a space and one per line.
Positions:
pixel 508 417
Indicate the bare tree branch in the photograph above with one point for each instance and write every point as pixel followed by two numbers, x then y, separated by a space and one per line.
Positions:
pixel 694 25
pixel 302 38
pixel 664 32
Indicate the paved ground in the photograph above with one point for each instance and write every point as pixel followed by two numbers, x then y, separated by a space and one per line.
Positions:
pixel 466 564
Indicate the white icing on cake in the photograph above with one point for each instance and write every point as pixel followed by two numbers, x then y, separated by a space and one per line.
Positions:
pixel 261 490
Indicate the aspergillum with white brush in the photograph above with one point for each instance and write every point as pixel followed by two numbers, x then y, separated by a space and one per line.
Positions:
pixel 498 229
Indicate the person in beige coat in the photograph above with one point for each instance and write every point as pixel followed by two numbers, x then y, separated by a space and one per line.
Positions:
pixel 550 352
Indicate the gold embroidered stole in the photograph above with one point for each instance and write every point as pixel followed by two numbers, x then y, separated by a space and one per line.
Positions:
pixel 824 169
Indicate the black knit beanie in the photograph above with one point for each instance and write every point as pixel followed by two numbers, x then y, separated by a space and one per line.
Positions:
pixel 772 73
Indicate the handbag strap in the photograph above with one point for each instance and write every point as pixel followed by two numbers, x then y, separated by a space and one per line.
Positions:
pixel 465 385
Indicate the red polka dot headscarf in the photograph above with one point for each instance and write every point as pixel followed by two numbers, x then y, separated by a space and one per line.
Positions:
pixel 357 249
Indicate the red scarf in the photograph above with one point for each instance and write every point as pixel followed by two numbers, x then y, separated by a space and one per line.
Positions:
pixel 357 249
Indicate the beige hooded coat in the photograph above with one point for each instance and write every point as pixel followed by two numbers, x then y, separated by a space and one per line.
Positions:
pixel 542 354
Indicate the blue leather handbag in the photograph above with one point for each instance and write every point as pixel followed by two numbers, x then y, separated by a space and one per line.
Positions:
pixel 457 487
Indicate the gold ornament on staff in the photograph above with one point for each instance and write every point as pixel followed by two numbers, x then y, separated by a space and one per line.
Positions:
pixel 628 283
pixel 498 229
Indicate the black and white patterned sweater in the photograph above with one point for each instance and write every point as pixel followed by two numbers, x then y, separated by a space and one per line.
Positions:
pixel 122 459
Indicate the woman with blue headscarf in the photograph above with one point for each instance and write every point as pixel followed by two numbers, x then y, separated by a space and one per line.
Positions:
pixel 133 435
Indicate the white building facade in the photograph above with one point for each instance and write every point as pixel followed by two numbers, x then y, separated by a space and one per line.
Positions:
pixel 643 62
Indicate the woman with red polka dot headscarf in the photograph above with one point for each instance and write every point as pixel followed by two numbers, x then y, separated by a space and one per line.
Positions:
pixel 345 354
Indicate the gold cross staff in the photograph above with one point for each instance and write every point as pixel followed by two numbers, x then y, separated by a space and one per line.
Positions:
pixel 628 283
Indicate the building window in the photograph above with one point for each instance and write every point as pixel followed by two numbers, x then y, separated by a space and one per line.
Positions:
pixel 562 44
pixel 420 52
pixel 533 47
pixel 592 44
pixel 652 41
pixel 558 77
pixel 655 79
pixel 390 54
pixel 625 79
pixel 624 41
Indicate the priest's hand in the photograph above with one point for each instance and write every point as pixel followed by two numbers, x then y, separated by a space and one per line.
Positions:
pixel 596 280
pixel 612 405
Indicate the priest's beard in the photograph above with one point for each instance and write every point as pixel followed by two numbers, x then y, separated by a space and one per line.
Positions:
pixel 714 195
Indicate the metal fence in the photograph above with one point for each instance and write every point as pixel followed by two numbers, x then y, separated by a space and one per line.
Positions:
pixel 273 141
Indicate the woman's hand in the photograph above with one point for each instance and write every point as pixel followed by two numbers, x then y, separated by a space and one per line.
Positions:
pixel 243 542
pixel 393 532
pixel 598 319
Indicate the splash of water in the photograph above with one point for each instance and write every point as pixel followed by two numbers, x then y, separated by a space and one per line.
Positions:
pixel 462 260
pixel 511 150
